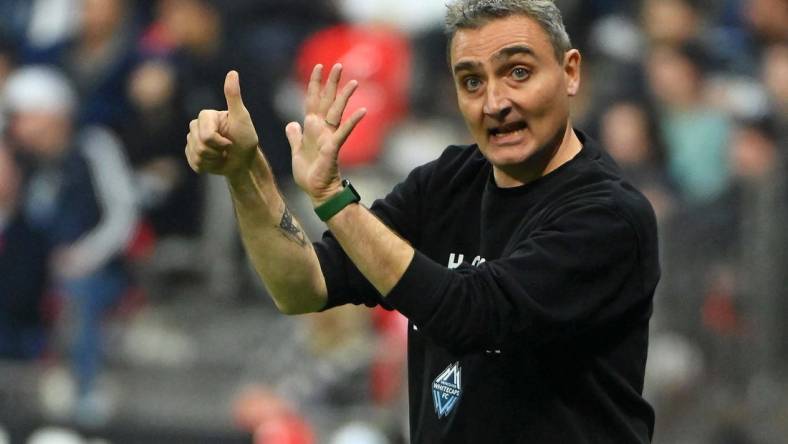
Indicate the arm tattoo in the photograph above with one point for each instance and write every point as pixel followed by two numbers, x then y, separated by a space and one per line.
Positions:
pixel 290 230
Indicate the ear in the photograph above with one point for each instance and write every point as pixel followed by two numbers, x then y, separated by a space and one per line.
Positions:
pixel 572 60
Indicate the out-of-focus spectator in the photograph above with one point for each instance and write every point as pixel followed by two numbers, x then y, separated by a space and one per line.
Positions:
pixel 683 22
pixel 759 170
pixel 630 133
pixel 206 49
pixel 723 290
pixel 695 135
pixel 152 134
pixel 78 191
pixel 98 59
pixel 671 22
pixel 767 19
pixel 23 271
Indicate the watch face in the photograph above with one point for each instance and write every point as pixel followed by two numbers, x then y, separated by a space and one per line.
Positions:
pixel 346 183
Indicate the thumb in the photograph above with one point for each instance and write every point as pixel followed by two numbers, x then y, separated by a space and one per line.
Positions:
pixel 294 135
pixel 232 93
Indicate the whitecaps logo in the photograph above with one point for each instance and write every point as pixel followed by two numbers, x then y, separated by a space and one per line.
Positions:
pixel 446 390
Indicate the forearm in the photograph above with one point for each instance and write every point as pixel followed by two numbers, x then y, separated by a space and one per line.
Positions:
pixel 379 253
pixel 279 249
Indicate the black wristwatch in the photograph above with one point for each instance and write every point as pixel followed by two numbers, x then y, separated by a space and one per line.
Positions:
pixel 337 202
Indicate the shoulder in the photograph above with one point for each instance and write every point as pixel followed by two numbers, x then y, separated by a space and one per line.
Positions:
pixel 596 185
pixel 92 136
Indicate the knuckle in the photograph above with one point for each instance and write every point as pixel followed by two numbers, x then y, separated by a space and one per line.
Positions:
pixel 200 150
pixel 213 142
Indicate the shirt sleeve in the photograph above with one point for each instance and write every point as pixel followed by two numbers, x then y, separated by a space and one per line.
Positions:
pixel 576 273
pixel 400 210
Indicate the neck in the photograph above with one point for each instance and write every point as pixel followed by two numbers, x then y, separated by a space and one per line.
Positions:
pixel 563 148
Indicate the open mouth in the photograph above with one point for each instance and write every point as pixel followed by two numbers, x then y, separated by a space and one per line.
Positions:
pixel 508 129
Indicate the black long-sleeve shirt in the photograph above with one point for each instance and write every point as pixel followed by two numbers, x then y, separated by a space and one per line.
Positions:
pixel 528 306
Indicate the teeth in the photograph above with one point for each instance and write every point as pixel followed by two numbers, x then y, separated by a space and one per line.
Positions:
pixel 501 133
pixel 504 130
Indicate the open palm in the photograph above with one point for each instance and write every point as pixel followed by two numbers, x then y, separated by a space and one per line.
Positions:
pixel 316 147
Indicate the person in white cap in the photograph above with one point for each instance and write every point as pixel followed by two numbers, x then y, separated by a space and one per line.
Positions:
pixel 78 190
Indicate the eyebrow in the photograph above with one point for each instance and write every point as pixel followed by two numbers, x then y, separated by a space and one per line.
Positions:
pixel 503 54
pixel 510 51
pixel 466 66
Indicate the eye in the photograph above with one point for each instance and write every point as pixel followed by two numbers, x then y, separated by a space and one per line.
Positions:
pixel 520 73
pixel 471 83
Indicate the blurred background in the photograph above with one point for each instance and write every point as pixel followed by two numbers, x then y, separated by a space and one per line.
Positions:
pixel 128 312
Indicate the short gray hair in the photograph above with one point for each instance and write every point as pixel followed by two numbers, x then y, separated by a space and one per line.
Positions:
pixel 471 14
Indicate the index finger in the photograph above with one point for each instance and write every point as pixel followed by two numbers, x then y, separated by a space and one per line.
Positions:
pixel 313 90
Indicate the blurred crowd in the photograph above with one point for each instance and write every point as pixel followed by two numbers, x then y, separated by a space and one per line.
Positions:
pixel 103 225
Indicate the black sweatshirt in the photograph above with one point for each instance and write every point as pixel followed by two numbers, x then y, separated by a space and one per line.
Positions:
pixel 528 306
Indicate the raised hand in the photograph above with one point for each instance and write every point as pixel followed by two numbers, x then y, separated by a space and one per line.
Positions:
pixel 223 142
pixel 316 147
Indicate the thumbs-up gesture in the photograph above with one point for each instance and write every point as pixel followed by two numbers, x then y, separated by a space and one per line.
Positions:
pixel 315 147
pixel 223 142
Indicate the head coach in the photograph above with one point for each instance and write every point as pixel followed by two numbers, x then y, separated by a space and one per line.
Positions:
pixel 525 264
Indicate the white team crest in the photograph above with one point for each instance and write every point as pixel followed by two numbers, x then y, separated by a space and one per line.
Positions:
pixel 446 390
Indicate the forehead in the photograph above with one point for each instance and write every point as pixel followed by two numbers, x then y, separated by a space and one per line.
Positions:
pixel 480 44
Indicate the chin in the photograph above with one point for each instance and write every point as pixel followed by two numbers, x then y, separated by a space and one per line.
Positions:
pixel 503 156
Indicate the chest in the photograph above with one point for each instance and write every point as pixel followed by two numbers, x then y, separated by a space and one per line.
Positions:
pixel 477 225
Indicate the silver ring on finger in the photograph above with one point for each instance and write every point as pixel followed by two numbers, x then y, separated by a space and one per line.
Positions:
pixel 331 124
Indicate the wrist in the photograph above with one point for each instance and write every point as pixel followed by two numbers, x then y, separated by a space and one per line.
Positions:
pixel 256 170
pixel 326 195
pixel 345 196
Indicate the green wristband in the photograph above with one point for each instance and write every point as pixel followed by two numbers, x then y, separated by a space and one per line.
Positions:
pixel 329 208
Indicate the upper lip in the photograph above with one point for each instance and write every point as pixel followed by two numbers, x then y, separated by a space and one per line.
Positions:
pixel 507 127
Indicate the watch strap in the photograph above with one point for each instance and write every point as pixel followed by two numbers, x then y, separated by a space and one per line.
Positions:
pixel 337 202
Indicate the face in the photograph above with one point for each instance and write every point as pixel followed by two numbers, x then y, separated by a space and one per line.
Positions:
pixel 187 22
pixel 512 91
pixel 44 135
pixel 775 71
pixel 624 132
pixel 673 78
pixel 100 18
pixel 669 21
pixel 752 153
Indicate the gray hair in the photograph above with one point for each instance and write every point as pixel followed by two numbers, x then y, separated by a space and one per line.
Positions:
pixel 471 14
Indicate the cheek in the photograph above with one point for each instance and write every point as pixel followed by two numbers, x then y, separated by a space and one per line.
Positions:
pixel 471 111
pixel 546 102
pixel 25 130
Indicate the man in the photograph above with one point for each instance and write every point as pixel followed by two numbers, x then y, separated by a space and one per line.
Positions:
pixel 77 190
pixel 525 264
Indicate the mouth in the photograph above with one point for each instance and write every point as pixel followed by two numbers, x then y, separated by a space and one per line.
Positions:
pixel 507 132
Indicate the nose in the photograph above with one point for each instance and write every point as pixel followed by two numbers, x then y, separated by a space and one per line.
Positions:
pixel 496 103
